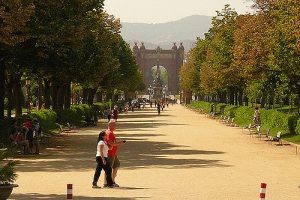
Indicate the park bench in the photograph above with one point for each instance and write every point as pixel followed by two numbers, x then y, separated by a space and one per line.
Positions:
pixel 221 118
pixel 277 138
pixel 226 120
pixel 267 134
pixel 254 131
pixel 212 115
pixel 231 123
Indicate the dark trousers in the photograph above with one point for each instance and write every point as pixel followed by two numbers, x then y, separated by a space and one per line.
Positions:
pixel 108 117
pixel 99 168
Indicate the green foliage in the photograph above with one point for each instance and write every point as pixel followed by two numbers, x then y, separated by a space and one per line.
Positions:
pixel 76 114
pixel 7 169
pixel 298 127
pixel 244 115
pixel 201 105
pixel 230 110
pixel 220 108
pixel 47 119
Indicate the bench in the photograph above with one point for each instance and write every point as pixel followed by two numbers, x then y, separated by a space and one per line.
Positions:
pixel 254 131
pixel 277 138
pixel 260 134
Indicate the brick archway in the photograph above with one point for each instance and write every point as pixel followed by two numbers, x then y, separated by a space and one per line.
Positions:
pixel 171 59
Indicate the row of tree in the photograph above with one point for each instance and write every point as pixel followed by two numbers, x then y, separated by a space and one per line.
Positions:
pixel 248 58
pixel 59 43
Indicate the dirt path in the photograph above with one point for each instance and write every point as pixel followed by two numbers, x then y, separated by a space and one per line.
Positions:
pixel 179 155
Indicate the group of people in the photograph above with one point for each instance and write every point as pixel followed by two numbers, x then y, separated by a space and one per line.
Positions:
pixel 107 156
pixel 112 113
pixel 160 106
pixel 26 135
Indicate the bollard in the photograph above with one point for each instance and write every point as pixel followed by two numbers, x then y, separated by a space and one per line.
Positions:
pixel 69 191
pixel 263 190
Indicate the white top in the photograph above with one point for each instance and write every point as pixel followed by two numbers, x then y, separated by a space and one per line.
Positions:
pixel 105 148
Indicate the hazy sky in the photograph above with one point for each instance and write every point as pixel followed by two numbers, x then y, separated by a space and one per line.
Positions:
pixel 158 11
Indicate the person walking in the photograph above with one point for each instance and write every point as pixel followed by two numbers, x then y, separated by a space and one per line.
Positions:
pixel 256 117
pixel 158 108
pixel 108 114
pixel 115 113
pixel 102 162
pixel 112 158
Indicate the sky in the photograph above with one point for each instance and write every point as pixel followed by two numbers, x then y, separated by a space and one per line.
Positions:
pixel 160 11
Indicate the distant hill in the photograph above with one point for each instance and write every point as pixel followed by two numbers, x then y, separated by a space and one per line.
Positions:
pixel 185 30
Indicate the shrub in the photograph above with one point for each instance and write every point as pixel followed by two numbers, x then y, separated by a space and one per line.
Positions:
pixel 243 115
pixel 47 119
pixel 278 121
pixel 220 107
pixel 298 127
pixel 206 106
pixel 230 110
pixel 76 114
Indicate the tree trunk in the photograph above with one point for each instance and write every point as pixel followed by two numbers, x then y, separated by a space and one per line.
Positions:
pixel 55 88
pixel 85 95
pixel 18 94
pixel 240 97
pixel 246 99
pixel 231 97
pixel 40 93
pixel 60 97
pixel 47 93
pixel 91 96
pixel 263 101
pixel 2 88
pixel 68 96
pixel 10 97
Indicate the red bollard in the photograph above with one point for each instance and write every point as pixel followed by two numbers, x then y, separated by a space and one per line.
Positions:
pixel 263 190
pixel 70 192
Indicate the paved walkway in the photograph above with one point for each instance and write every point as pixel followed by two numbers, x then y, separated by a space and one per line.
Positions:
pixel 179 155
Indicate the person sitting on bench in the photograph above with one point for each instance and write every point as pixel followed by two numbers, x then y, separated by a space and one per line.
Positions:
pixel 17 138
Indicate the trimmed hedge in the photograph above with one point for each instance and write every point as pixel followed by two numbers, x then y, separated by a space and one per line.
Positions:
pixel 230 111
pixel 298 127
pixel 75 115
pixel 47 119
pixel 243 116
pixel 205 106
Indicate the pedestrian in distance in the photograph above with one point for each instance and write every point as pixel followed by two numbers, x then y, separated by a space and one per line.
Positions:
pixel 102 162
pixel 108 114
pixel 256 117
pixel 158 108
pixel 115 113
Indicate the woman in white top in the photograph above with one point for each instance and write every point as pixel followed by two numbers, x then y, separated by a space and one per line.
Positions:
pixel 101 158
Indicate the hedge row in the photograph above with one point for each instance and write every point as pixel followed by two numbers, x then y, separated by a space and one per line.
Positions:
pixel 50 119
pixel 272 119
pixel 75 115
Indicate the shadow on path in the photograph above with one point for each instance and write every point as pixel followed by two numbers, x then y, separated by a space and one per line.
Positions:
pixel 59 197
pixel 77 152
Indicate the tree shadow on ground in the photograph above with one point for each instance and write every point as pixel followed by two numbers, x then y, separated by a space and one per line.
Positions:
pixel 60 197
pixel 77 152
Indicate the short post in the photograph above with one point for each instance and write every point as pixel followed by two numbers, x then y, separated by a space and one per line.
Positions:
pixel 69 191
pixel 263 190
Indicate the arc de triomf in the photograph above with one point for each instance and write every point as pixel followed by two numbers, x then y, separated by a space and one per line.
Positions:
pixel 171 60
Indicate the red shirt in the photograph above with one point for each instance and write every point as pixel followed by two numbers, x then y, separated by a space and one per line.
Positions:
pixel 111 139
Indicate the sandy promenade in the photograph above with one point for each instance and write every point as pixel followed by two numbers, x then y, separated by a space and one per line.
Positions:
pixel 178 155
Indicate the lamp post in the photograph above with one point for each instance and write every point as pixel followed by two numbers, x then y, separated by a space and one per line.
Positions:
pixel 150 90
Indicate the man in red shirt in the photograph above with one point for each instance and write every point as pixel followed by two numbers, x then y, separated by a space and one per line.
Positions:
pixel 113 160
